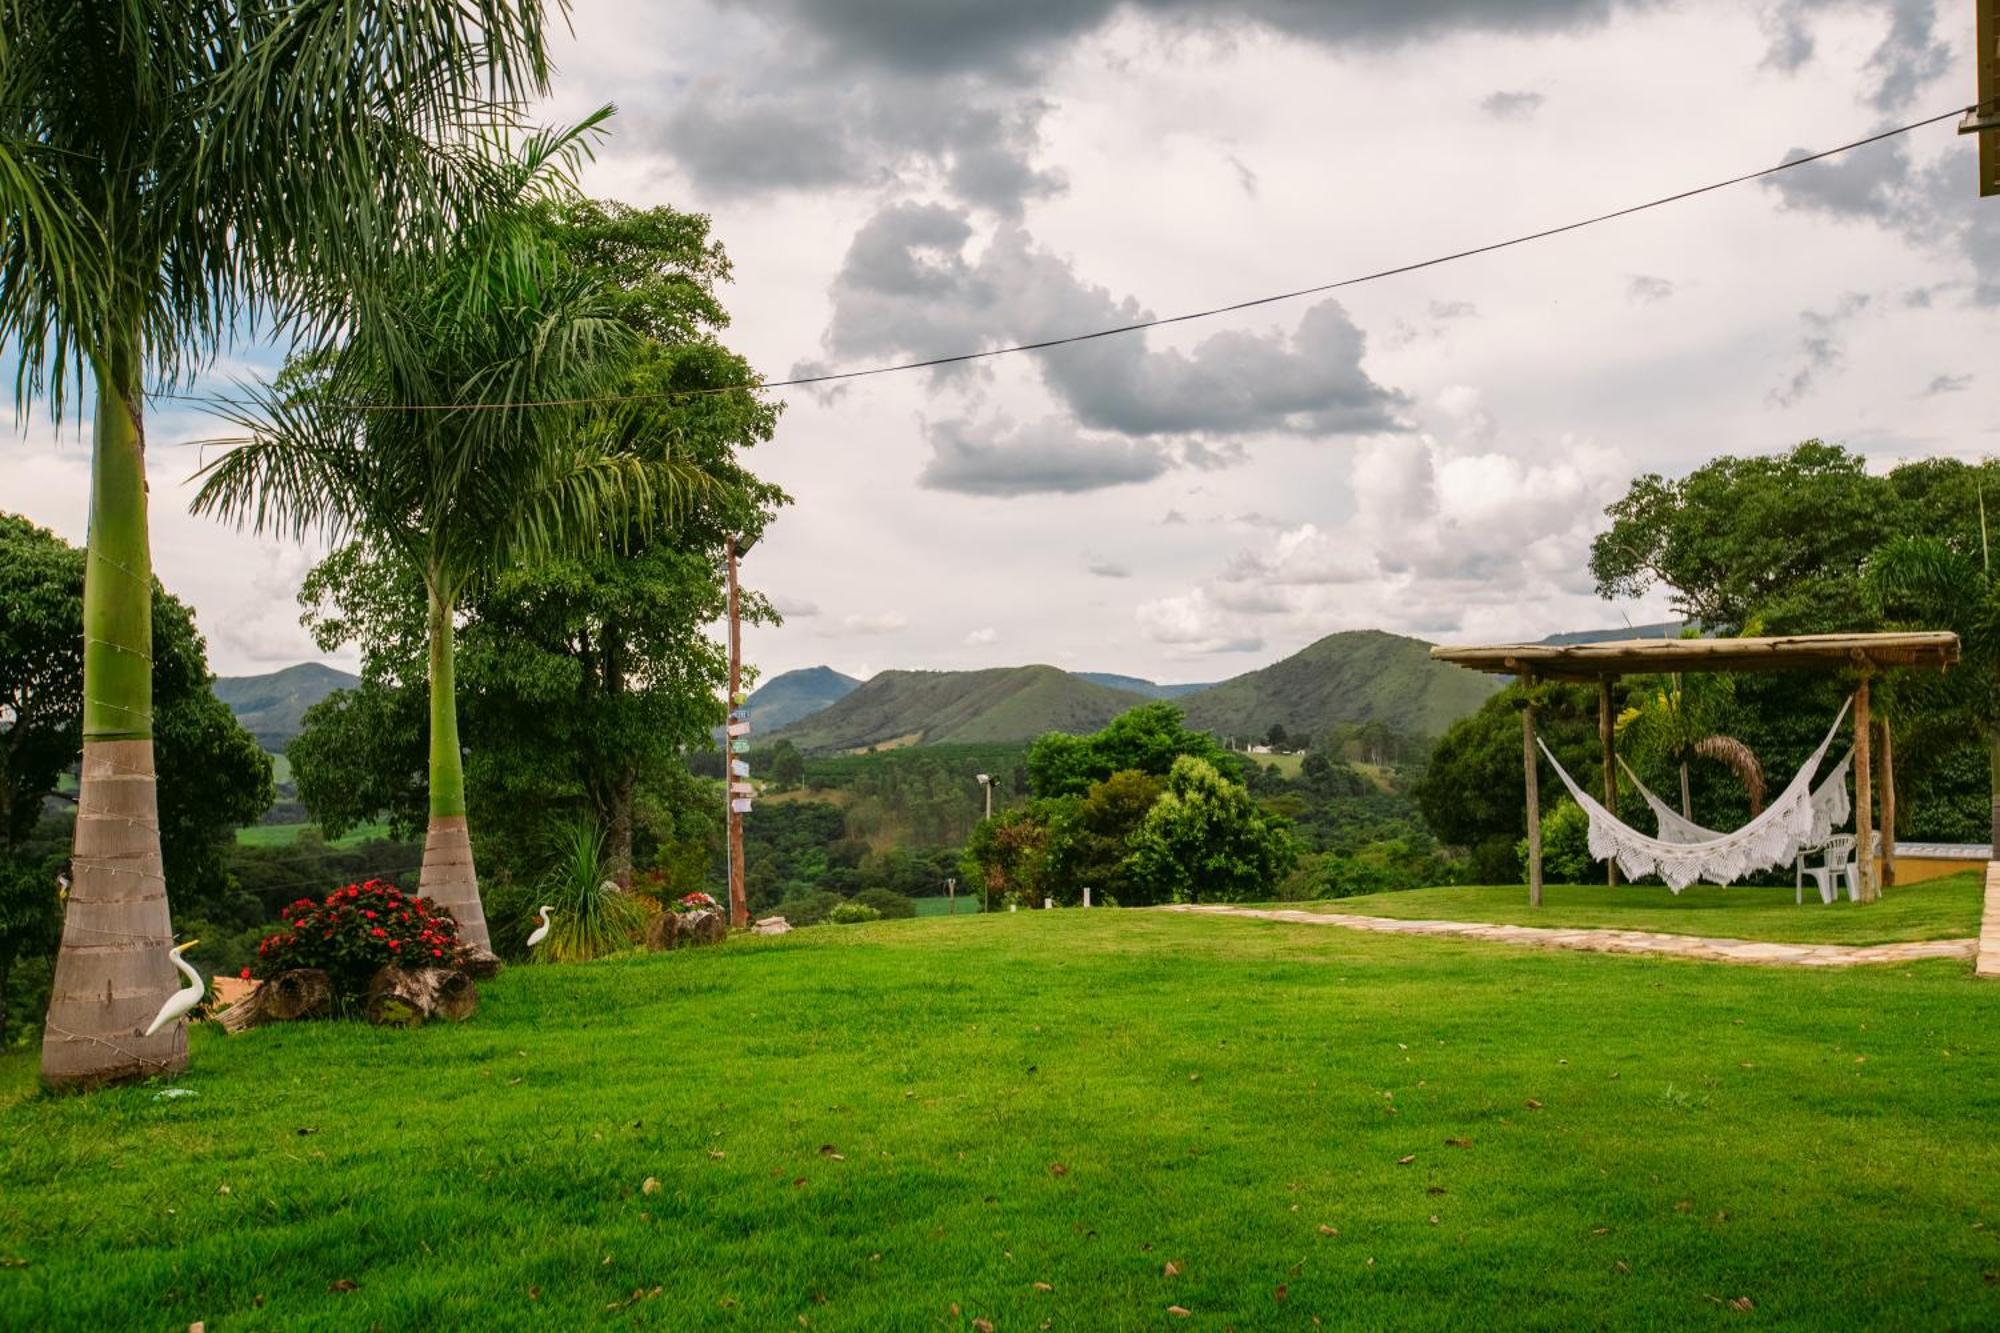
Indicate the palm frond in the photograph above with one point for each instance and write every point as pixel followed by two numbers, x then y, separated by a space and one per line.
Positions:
pixel 1741 760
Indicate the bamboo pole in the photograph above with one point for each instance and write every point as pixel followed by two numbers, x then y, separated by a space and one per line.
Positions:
pixel 1888 800
pixel 1864 794
pixel 1606 743
pixel 1531 772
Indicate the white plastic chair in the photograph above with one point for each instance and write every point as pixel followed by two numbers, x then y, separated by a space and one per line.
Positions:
pixel 1837 867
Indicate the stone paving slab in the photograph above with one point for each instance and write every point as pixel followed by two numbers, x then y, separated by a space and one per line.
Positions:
pixel 1989 925
pixel 1765 952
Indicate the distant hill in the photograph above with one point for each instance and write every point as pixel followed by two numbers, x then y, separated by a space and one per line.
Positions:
pixel 1666 629
pixel 793 696
pixel 271 707
pixel 899 708
pixel 1138 686
pixel 1354 677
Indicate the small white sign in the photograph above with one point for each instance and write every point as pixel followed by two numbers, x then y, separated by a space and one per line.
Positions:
pixel 740 806
pixel 739 767
pixel 739 729
pixel 741 789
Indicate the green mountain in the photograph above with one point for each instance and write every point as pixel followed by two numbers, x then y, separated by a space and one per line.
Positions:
pixel 795 695
pixel 271 706
pixel 1359 676
pixel 898 708
pixel 1138 686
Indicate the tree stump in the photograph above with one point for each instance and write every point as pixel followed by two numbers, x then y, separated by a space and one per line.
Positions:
pixel 405 997
pixel 302 992
pixel 663 931
pixel 703 928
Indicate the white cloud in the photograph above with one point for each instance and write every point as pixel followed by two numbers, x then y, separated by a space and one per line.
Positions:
pixel 980 638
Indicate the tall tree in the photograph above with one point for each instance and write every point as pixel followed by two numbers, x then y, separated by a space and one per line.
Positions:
pixel 218 778
pixel 455 430
pixel 169 169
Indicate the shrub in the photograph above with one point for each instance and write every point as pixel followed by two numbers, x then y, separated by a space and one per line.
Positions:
pixel 809 909
pixel 887 903
pixel 848 914
pixel 358 930
pixel 1566 857
pixel 590 915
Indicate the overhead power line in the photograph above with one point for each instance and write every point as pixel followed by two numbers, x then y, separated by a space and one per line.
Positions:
pixel 1137 326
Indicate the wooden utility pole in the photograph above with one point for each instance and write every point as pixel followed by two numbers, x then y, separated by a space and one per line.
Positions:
pixel 1984 119
pixel 1605 743
pixel 1531 771
pixel 739 904
pixel 1864 795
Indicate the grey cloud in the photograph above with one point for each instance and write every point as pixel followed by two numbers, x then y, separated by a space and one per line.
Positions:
pixel 1933 208
pixel 1511 105
pixel 794 608
pixel 1821 349
pixel 1453 310
pixel 907 287
pixel 1908 56
pixel 1944 384
pixel 1174 518
pixel 1645 289
pixel 996 459
pixel 1007 39
pixel 1244 175
pixel 1108 569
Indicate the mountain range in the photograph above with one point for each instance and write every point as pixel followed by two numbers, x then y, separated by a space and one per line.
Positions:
pixel 272 706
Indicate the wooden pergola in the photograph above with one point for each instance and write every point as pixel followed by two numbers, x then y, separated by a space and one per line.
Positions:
pixel 1867 655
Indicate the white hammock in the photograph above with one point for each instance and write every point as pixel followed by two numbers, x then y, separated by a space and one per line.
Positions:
pixel 1831 808
pixel 1773 838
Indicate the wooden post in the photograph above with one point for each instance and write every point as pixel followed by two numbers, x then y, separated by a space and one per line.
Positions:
pixel 1888 800
pixel 1531 771
pixel 1605 740
pixel 1864 794
pixel 739 905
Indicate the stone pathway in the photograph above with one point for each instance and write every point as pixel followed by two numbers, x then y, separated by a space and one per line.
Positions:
pixel 1986 949
pixel 1989 925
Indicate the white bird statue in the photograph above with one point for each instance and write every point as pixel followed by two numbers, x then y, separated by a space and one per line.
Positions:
pixel 182 1001
pixel 541 932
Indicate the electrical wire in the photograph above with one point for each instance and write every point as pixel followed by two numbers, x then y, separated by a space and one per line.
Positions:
pixel 1046 344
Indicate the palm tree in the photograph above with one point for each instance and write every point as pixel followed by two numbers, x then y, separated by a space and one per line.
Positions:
pixel 172 171
pixel 447 432
pixel 1929 582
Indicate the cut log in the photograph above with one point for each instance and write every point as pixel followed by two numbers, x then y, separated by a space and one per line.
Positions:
pixel 705 927
pixel 663 931
pixel 405 997
pixel 302 992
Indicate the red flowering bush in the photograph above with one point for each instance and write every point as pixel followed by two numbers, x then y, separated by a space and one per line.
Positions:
pixel 694 902
pixel 357 930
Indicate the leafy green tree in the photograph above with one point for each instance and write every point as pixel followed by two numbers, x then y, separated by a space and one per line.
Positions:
pixel 165 171
pixel 1147 739
pixel 784 765
pixel 1777 538
pixel 1205 839
pixel 1007 856
pixel 497 324
pixel 1090 845
pixel 1935 584
pixel 1473 792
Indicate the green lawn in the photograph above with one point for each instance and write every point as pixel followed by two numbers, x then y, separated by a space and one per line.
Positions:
pixel 912 1124
pixel 1936 909
pixel 967 905
pixel 284 835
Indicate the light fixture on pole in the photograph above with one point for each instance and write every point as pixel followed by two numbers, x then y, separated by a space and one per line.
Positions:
pixel 735 740
pixel 986 781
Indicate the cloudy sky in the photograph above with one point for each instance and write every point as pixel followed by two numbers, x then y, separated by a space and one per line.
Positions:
pixel 1428 454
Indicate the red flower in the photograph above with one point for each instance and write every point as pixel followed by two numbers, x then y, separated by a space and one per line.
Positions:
pixel 395 944
pixel 379 933
pixel 245 974
pixel 435 953
pixel 369 915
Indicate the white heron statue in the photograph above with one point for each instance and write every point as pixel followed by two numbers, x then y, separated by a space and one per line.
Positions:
pixel 541 932
pixel 182 1001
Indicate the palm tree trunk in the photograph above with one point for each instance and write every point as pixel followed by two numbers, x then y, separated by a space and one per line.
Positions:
pixel 112 973
pixel 618 827
pixel 449 878
pixel 1687 801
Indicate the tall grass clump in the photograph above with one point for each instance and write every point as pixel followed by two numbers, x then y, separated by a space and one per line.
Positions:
pixel 590 916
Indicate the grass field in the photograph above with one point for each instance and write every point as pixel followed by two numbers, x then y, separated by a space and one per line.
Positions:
pixel 1946 908
pixel 1028 1117
pixel 284 835
pixel 966 905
